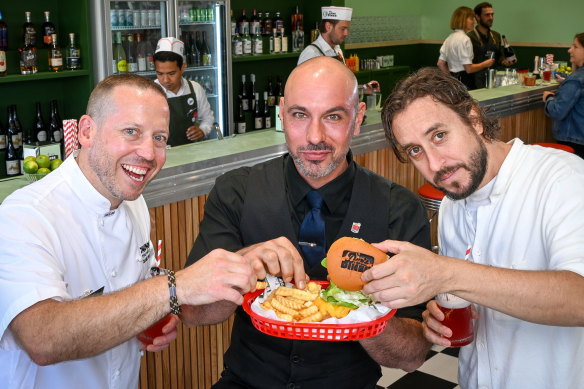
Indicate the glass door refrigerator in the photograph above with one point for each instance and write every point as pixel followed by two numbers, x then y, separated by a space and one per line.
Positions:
pixel 125 34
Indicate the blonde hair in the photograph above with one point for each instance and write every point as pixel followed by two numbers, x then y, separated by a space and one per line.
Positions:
pixel 458 19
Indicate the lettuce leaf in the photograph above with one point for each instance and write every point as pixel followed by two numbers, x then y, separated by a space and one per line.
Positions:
pixel 337 296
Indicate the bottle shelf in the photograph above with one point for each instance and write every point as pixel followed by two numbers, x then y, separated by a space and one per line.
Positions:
pixel 211 22
pixel 265 57
pixel 9 78
pixel 132 28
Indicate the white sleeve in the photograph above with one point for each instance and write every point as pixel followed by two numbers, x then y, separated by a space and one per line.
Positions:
pixel 466 52
pixel 308 53
pixel 205 114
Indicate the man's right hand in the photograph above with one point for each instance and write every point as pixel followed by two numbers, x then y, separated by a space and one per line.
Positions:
pixel 218 276
pixel 278 257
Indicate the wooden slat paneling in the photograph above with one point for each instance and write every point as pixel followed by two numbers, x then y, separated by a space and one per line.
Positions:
pixel 195 359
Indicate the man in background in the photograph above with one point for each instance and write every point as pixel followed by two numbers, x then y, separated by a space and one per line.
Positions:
pixel 334 29
pixel 486 43
pixel 76 251
pixel 191 116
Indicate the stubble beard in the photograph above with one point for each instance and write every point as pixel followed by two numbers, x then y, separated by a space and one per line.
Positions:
pixel 313 169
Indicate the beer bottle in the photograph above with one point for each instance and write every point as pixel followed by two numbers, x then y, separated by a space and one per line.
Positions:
pixel 244 97
pixel 258 117
pixel 267 114
pixel 240 119
pixel 206 54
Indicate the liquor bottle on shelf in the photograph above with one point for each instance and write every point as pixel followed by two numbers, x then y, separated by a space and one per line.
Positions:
pixel 257 45
pixel 267 25
pixel 17 126
pixel 55 126
pixel 279 91
pixel 11 130
pixel 236 44
pixel 240 119
pixel 260 24
pixel 297 31
pixel 270 91
pixel 278 23
pixel 28 57
pixel 508 51
pixel 277 41
pixel 254 24
pixel 12 158
pixel 55 55
pixel 131 57
pixel 206 54
pixel 48 29
pixel 3 45
pixel 244 97
pixel 243 23
pixel 119 63
pixel 29 30
pixel 246 44
pixel 196 50
pixel 40 129
pixel 141 54
pixel 258 116
pixel 252 91
pixel 314 33
pixel 233 23
pixel 73 53
pixel 2 137
pixel 267 114
pixel 284 39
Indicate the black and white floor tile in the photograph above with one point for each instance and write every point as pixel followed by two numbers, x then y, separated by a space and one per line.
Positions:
pixel 438 372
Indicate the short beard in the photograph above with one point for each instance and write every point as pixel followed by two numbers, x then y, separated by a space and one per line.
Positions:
pixel 304 167
pixel 477 169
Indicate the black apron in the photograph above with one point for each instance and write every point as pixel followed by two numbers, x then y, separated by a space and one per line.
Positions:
pixel 183 114
pixel 490 44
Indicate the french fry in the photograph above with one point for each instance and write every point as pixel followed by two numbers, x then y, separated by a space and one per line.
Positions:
pixel 312 318
pixel 297 293
pixel 282 308
pixel 261 284
pixel 291 302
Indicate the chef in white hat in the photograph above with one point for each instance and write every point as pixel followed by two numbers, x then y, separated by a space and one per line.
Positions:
pixel 334 29
pixel 191 116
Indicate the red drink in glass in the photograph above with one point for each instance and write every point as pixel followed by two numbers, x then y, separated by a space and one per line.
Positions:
pixel 547 75
pixel 457 317
pixel 148 335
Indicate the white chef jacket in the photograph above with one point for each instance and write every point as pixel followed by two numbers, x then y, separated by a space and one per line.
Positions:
pixel 312 52
pixel 60 240
pixel 534 220
pixel 457 51
pixel 205 115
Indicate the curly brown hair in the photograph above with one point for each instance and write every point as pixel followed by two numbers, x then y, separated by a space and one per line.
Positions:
pixel 441 87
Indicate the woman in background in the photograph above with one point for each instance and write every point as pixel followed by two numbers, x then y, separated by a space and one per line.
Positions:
pixel 456 52
pixel 566 105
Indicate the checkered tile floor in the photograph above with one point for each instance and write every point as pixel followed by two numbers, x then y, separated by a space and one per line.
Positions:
pixel 438 372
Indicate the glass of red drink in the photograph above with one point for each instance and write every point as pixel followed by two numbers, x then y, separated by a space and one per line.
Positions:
pixel 148 335
pixel 547 75
pixel 457 317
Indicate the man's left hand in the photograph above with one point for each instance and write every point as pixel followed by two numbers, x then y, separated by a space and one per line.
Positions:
pixel 194 133
pixel 169 334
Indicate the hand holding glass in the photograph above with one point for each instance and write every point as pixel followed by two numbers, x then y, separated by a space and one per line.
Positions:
pixel 457 317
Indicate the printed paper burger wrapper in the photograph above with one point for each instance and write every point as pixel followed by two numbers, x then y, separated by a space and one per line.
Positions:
pixel 360 315
pixel 70 136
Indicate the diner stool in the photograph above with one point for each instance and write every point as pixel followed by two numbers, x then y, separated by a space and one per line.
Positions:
pixel 431 198
pixel 558 146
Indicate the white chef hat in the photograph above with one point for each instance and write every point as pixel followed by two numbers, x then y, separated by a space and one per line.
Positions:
pixel 337 13
pixel 171 44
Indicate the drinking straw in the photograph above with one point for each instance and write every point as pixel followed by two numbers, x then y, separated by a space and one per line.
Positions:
pixel 467 255
pixel 159 253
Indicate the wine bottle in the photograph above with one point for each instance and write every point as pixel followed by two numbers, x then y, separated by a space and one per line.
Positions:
pixel 240 119
pixel 2 137
pixel 278 23
pixel 258 116
pixel 284 38
pixel 252 92
pixel 59 123
pixel 254 24
pixel 3 45
pixel 12 159
pixel 196 49
pixel 206 54
pixel 271 97
pixel 141 54
pixel 55 55
pixel 257 45
pixel 119 63
pixel 236 44
pixel 48 29
pixel 73 53
pixel 508 51
pixel 28 57
pixel 243 23
pixel 149 54
pixel 40 129
pixel 277 41
pixel 29 30
pixel 55 125
pixel 11 130
pixel 267 25
pixel 131 57
pixel 267 114
pixel 246 43
pixel 244 97
pixel 17 126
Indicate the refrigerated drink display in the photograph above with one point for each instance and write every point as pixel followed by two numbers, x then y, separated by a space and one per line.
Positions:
pixel 206 57
pixel 131 57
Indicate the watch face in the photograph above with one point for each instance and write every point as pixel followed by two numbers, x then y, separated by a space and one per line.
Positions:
pixel 190 101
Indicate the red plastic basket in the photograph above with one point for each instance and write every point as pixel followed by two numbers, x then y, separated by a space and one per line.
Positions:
pixel 314 331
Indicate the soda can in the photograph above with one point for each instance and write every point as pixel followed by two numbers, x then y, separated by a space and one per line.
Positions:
pixel 199 15
pixel 192 15
pixel 210 14
pixel 114 17
pixel 137 18
pixel 129 17
pixel 122 17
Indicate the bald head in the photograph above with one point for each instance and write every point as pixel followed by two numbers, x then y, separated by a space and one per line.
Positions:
pixel 324 72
